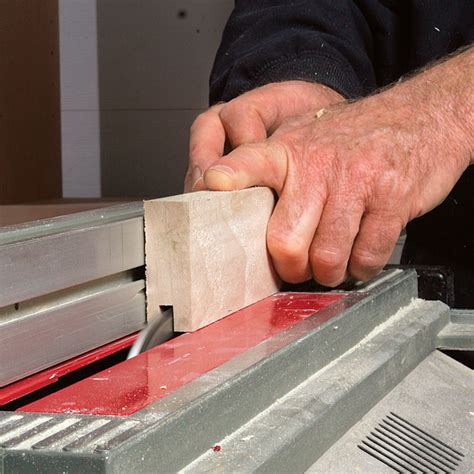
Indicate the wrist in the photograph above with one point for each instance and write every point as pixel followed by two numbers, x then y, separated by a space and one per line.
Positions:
pixel 441 100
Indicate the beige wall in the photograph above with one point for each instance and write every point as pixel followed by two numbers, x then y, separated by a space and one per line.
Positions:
pixel 134 74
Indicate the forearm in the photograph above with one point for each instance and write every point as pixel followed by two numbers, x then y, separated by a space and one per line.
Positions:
pixel 443 94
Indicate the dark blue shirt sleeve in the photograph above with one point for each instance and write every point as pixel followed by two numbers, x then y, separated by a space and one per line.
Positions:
pixel 325 41
pixel 352 46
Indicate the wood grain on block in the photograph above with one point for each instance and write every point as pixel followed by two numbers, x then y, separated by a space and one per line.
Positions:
pixel 206 254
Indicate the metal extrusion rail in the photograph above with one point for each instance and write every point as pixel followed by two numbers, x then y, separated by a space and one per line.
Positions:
pixel 71 284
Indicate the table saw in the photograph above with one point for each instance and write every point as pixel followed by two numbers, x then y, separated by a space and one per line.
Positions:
pixel 355 380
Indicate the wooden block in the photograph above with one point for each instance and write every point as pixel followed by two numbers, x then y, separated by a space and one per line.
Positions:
pixel 206 254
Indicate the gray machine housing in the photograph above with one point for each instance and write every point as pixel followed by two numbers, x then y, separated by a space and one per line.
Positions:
pixel 306 399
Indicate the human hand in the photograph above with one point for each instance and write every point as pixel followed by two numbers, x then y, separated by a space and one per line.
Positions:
pixel 351 178
pixel 251 117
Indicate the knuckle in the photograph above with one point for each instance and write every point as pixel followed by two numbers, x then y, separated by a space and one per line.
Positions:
pixel 290 149
pixel 328 266
pixel 340 224
pixel 201 120
pixel 365 264
pixel 366 259
pixel 361 168
pixel 393 187
pixel 235 109
pixel 195 150
pixel 362 177
pixel 286 248
pixel 242 122
pixel 326 258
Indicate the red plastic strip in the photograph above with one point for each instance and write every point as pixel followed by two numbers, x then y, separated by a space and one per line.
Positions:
pixel 135 383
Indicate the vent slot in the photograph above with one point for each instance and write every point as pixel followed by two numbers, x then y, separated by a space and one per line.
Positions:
pixel 405 447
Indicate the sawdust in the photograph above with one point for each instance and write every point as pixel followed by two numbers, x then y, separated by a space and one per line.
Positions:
pixel 414 304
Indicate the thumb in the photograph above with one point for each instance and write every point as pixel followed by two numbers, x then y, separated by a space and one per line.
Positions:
pixel 256 164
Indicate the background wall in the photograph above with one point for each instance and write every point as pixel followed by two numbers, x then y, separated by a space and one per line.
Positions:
pixel 30 156
pixel 134 74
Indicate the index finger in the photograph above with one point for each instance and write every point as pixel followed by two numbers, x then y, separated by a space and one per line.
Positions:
pixel 206 145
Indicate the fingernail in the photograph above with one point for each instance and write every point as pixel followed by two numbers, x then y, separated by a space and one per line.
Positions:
pixel 223 169
pixel 196 175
